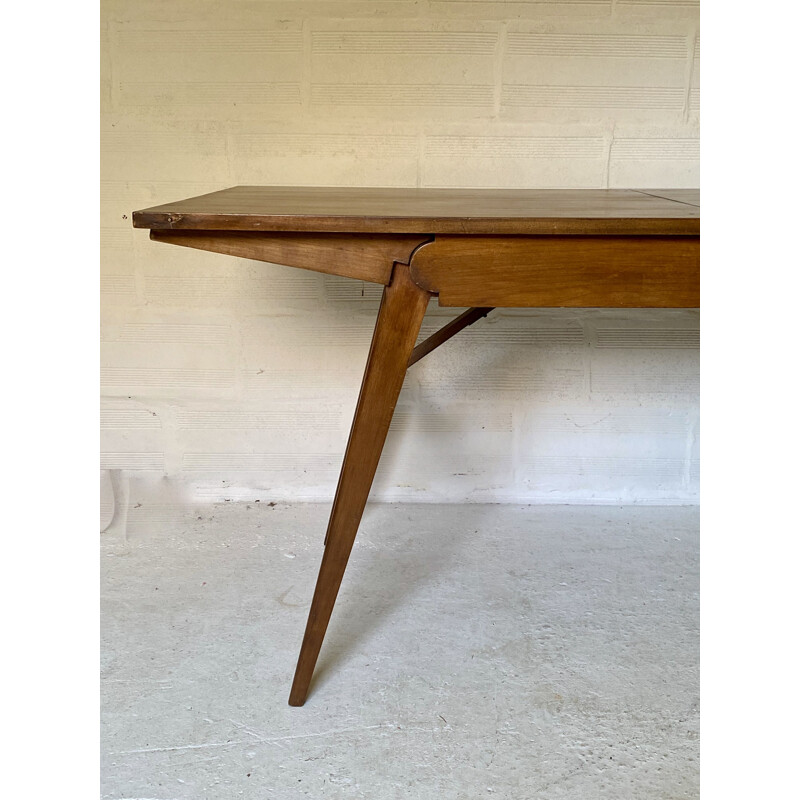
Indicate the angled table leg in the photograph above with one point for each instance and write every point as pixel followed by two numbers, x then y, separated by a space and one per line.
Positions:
pixel 399 320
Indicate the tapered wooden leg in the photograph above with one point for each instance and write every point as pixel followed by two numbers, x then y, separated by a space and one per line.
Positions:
pixel 399 319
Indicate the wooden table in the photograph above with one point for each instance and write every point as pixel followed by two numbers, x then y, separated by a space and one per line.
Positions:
pixel 617 248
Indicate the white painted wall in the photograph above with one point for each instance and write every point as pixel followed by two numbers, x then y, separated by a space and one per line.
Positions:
pixel 222 378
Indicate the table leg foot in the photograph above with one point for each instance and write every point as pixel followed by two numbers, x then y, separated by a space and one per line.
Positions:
pixel 399 320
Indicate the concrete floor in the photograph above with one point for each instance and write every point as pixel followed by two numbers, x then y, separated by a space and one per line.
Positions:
pixel 475 651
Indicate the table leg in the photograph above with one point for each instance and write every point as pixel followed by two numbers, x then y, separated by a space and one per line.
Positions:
pixel 399 320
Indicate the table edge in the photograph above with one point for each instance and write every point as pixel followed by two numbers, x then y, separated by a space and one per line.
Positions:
pixel 509 226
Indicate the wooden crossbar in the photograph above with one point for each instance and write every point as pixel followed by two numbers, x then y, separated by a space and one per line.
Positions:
pixel 447 332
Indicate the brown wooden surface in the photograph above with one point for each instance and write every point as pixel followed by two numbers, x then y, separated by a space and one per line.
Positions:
pixel 428 211
pixel 399 320
pixel 572 248
pixel 561 271
pixel 367 257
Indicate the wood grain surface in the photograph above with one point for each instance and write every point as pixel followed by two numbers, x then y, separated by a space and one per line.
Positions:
pixel 366 257
pixel 561 271
pixel 493 248
pixel 429 211
pixel 399 320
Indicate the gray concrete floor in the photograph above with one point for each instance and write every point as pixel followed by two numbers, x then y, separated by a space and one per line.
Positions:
pixel 475 651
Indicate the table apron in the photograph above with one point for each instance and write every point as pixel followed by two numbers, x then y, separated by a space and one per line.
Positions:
pixel 366 257
pixel 561 271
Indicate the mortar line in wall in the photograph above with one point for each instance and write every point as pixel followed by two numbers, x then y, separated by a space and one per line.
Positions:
pixel 691 42
pixel 661 197
pixel 111 44
pixel 139 283
pixel 691 438
pixel 608 154
pixel 420 156
pixel 502 36
pixel 590 341
pixel 305 85
pixel 227 144
pixel 170 439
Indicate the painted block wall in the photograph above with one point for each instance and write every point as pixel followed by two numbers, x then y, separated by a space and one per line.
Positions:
pixel 229 379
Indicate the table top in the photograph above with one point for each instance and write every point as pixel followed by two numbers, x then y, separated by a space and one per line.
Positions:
pixel 640 212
